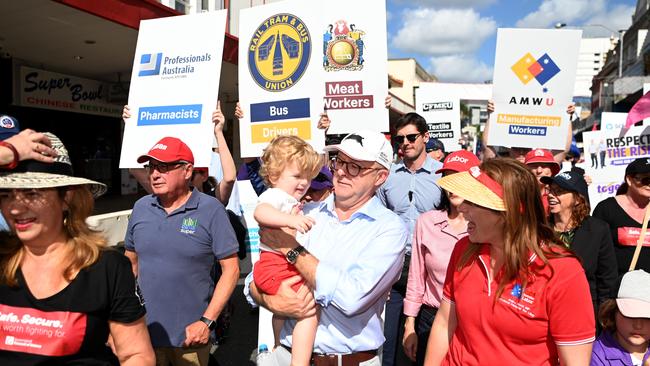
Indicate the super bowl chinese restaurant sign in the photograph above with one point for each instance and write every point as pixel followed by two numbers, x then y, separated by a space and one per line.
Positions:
pixel 50 90
pixel 304 58
pixel 534 76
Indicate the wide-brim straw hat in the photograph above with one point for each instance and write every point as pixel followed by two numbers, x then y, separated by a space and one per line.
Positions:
pixel 476 187
pixel 32 174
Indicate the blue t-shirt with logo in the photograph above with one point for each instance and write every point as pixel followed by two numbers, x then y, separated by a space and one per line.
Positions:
pixel 176 253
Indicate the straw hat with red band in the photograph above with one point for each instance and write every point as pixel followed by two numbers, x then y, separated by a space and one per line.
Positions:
pixel 168 150
pixel 476 187
pixel 459 161
pixel 542 156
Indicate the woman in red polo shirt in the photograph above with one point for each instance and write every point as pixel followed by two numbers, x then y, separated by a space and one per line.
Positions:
pixel 513 294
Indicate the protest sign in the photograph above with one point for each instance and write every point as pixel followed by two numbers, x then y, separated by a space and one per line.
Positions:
pixel 304 59
pixel 279 80
pixel 175 84
pixel 534 75
pixel 607 155
pixel 354 65
pixel 442 112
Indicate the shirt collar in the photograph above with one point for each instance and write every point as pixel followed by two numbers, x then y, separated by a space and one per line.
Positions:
pixel 191 203
pixel 370 209
pixel 430 165
pixel 613 350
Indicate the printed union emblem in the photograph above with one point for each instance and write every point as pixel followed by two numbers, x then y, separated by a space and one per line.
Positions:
pixel 343 47
pixel 542 69
pixel 279 51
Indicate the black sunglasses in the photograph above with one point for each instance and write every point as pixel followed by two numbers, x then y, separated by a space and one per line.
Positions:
pixel 410 137
pixel 644 180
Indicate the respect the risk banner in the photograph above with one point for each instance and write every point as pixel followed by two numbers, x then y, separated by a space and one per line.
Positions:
pixel 534 76
pixel 607 155
pixel 175 84
pixel 304 58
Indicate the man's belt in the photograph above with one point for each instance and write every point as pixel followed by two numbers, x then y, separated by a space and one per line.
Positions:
pixel 350 359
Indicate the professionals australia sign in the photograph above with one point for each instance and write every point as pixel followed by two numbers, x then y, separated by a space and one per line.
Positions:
pixel 167 67
pixel 170 66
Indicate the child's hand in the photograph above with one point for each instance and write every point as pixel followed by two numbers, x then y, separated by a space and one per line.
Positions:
pixel 301 223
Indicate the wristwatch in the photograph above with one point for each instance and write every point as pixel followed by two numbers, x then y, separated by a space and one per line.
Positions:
pixel 209 322
pixel 292 255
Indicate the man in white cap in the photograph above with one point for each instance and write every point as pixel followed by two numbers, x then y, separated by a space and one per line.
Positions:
pixel 350 258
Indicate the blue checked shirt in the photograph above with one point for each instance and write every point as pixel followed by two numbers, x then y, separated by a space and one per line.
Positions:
pixel 359 260
pixel 410 194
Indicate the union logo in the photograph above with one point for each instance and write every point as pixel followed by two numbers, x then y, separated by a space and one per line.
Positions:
pixel 279 51
pixel 528 68
pixel 343 47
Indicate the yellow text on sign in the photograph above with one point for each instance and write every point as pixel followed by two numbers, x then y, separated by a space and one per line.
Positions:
pixel 265 132
pixel 517 119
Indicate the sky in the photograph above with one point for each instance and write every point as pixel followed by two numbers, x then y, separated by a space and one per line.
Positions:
pixel 455 39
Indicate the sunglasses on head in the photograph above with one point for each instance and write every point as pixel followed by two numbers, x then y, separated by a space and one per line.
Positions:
pixel 410 137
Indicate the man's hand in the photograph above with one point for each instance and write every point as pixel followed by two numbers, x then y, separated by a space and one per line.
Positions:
pixel 197 334
pixel 490 106
pixel 32 145
pixel 218 119
pixel 280 239
pixel 289 303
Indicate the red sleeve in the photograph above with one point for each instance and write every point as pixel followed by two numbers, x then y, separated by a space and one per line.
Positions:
pixel 572 324
pixel 448 289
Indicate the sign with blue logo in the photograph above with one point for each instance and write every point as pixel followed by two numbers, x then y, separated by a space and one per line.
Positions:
pixel 174 85
pixel 332 54
pixel 534 78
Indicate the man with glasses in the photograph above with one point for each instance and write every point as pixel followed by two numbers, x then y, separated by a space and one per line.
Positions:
pixel 173 238
pixel 410 190
pixel 349 259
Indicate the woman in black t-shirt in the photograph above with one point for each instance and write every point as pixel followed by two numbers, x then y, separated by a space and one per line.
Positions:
pixel 587 236
pixel 624 215
pixel 61 291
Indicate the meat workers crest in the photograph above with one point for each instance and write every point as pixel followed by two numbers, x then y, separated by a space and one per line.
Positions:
pixel 343 47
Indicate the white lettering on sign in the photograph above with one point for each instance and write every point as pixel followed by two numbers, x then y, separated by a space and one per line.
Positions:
pixel 277 111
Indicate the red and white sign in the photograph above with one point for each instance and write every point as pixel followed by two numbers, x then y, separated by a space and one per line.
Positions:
pixel 47 333
pixel 629 236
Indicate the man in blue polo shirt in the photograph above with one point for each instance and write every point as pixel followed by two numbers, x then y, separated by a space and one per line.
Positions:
pixel 409 191
pixel 173 239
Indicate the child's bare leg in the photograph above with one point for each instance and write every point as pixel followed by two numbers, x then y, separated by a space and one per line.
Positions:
pixel 302 340
pixel 277 322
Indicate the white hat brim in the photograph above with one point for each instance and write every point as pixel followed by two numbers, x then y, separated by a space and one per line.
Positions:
pixel 633 308
pixel 33 180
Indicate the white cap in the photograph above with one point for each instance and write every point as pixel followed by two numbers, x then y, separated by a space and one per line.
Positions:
pixel 366 146
pixel 634 295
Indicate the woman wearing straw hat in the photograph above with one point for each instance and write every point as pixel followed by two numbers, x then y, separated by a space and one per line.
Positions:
pixel 513 294
pixel 435 235
pixel 61 291
pixel 587 236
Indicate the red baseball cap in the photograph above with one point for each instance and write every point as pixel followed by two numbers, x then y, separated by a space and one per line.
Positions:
pixel 459 161
pixel 168 150
pixel 542 156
